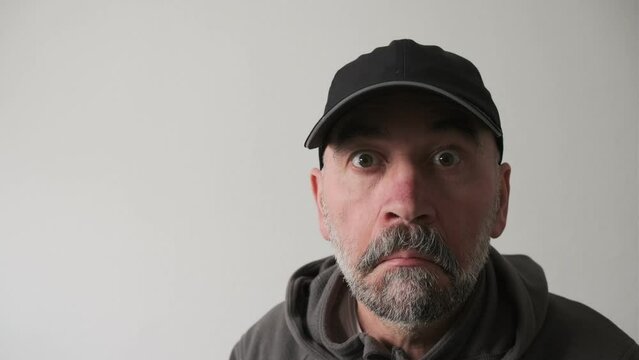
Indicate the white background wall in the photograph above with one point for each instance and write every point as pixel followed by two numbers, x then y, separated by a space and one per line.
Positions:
pixel 154 192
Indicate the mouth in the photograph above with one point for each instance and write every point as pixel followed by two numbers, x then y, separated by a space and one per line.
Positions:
pixel 407 258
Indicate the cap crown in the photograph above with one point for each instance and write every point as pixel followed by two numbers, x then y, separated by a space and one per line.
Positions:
pixel 405 63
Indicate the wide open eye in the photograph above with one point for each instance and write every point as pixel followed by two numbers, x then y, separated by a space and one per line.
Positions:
pixel 364 159
pixel 446 158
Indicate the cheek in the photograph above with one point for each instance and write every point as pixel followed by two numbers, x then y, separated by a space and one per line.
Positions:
pixel 463 215
pixel 352 212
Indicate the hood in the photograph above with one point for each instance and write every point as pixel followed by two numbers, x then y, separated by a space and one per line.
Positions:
pixel 499 321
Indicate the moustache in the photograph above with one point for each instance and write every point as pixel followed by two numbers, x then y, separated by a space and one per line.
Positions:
pixel 426 241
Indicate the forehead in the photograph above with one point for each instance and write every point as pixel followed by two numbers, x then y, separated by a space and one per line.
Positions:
pixel 410 111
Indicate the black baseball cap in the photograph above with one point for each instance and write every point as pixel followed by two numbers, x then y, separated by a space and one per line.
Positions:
pixel 407 64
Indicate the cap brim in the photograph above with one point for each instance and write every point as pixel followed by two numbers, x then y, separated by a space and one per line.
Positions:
pixel 321 129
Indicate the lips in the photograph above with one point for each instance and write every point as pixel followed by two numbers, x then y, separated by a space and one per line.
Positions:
pixel 407 258
pixel 407 246
pixel 411 258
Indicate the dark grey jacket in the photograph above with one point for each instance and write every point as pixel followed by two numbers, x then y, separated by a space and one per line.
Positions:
pixel 510 315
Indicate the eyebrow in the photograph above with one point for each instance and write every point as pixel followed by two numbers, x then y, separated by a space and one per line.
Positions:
pixel 357 126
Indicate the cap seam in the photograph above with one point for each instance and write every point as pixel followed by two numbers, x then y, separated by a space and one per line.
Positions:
pixel 404 62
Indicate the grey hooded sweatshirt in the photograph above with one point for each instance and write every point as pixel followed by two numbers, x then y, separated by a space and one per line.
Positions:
pixel 510 315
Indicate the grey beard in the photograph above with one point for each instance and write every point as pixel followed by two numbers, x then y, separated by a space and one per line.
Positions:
pixel 410 297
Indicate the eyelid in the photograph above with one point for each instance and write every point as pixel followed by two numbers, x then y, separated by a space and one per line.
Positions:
pixel 377 157
pixel 450 149
pixel 447 147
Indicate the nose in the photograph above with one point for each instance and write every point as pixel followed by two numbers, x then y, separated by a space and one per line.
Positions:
pixel 408 197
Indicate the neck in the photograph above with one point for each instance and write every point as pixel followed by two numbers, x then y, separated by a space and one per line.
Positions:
pixel 414 341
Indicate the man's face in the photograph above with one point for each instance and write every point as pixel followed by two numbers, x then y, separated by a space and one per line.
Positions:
pixel 410 194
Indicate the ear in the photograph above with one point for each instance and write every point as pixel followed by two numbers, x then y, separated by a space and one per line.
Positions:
pixel 504 195
pixel 317 186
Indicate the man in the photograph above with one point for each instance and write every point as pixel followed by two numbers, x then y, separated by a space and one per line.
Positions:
pixel 410 189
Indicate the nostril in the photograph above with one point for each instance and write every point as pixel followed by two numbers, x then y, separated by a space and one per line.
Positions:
pixel 422 215
pixel 390 216
pixel 423 219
